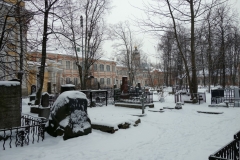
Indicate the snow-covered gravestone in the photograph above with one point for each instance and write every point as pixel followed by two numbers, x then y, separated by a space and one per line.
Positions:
pixel 68 116
pixel 45 109
pixel 10 104
pixel 178 105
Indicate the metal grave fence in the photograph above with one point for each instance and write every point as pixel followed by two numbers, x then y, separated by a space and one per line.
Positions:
pixel 229 152
pixel 32 130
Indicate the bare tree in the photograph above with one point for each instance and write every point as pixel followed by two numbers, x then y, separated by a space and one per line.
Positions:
pixel 127 48
pixel 44 11
pixel 14 22
pixel 186 12
pixel 83 25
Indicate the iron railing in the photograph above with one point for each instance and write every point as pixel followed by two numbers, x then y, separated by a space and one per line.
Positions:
pixel 180 97
pixel 134 97
pixel 225 95
pixel 31 130
pixel 229 152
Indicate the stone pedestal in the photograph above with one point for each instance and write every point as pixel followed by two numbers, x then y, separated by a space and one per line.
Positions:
pixel 10 104
pixel 44 112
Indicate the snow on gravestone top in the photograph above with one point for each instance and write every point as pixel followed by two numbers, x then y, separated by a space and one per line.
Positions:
pixel 69 116
pixel 63 98
pixel 9 83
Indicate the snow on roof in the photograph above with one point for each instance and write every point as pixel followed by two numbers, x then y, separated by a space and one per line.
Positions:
pixel 9 83
pixel 107 59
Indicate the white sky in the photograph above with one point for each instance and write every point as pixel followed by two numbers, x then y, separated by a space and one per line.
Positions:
pixel 124 10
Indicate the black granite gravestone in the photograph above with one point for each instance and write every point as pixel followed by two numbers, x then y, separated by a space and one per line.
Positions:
pixel 69 116
pixel 45 99
pixel 33 89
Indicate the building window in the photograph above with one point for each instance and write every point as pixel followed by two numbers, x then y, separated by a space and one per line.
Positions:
pixel 75 66
pixel 60 61
pixel 95 81
pixel 67 64
pixel 101 67
pixel 95 67
pixel 108 81
pixel 108 68
pixel 75 81
pixel 113 68
pixel 101 80
pixel 68 80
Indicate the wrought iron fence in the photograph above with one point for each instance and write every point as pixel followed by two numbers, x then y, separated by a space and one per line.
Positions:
pixel 181 97
pixel 226 95
pixel 32 129
pixel 229 152
pixel 134 97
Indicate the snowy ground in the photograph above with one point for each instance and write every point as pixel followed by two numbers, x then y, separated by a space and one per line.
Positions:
pixel 174 134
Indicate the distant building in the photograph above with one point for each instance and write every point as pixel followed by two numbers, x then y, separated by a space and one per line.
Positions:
pixel 61 69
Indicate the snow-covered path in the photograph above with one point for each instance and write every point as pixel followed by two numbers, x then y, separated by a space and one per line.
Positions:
pixel 174 134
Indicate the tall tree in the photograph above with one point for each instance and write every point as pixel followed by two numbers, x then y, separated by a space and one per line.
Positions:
pixel 83 25
pixel 186 12
pixel 127 48
pixel 45 10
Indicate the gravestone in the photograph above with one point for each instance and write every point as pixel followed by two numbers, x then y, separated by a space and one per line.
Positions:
pixel 124 87
pixel 10 104
pixel 68 116
pixel 44 111
pixel 139 86
pixel 67 87
pixel 49 88
pixel 32 97
pixel 33 89
pixel 45 99
pixel 217 93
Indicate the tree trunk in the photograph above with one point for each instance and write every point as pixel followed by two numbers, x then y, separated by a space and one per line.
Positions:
pixel 44 54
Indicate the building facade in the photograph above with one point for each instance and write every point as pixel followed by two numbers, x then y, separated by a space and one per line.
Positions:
pixel 14 19
pixel 61 69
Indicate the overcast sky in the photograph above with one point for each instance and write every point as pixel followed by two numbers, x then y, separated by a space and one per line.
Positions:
pixel 124 10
